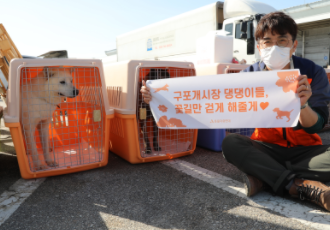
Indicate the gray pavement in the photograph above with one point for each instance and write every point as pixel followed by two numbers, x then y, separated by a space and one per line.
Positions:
pixel 148 196
pixel 9 170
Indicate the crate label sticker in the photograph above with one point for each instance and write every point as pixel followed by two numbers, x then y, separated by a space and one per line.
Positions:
pixel 143 113
pixel 97 115
pixel 264 99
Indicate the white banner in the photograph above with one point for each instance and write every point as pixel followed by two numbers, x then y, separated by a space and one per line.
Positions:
pixel 265 99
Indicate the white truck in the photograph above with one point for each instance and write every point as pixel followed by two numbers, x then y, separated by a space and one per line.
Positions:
pixel 175 38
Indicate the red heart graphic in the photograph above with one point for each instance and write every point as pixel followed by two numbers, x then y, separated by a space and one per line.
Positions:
pixel 264 105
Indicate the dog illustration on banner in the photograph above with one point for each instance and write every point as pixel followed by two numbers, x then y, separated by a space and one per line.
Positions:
pixel 40 98
pixel 154 74
pixel 281 114
pixel 165 88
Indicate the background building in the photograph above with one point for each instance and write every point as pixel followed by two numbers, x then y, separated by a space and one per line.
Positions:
pixel 313 21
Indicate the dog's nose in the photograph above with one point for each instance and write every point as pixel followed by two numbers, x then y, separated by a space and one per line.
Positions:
pixel 75 92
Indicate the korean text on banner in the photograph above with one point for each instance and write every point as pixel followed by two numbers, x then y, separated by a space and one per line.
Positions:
pixel 264 99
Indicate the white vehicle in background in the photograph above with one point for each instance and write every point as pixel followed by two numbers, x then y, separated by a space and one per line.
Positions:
pixel 175 38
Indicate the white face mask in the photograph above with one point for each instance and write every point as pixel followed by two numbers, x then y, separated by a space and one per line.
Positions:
pixel 275 57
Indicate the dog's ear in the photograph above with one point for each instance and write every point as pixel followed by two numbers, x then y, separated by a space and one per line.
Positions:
pixel 48 72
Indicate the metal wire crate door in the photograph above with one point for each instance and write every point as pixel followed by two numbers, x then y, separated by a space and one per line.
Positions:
pixel 74 135
pixel 154 141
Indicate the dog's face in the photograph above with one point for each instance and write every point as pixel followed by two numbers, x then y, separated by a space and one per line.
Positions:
pixel 276 110
pixel 60 82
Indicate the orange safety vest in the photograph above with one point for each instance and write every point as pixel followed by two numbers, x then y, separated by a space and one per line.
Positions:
pixel 286 137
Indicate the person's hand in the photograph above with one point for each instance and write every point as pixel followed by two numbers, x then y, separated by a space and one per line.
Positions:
pixel 145 92
pixel 304 89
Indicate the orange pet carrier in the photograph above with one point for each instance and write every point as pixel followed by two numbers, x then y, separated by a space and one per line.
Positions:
pixel 134 134
pixel 58 115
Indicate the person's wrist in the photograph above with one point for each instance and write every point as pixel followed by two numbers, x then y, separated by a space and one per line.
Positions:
pixel 304 106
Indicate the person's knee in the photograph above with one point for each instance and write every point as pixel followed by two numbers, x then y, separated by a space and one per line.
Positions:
pixel 229 146
pixel 229 141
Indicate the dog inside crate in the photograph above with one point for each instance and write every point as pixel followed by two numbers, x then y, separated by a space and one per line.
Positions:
pixel 62 116
pixel 163 141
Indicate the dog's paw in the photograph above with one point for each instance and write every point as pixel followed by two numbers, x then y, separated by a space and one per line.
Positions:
pixel 148 150
pixel 51 163
pixel 39 167
pixel 157 148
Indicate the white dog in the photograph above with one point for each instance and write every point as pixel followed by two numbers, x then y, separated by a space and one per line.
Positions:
pixel 40 98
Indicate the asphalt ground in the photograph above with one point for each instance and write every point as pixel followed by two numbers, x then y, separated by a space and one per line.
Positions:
pixel 144 196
